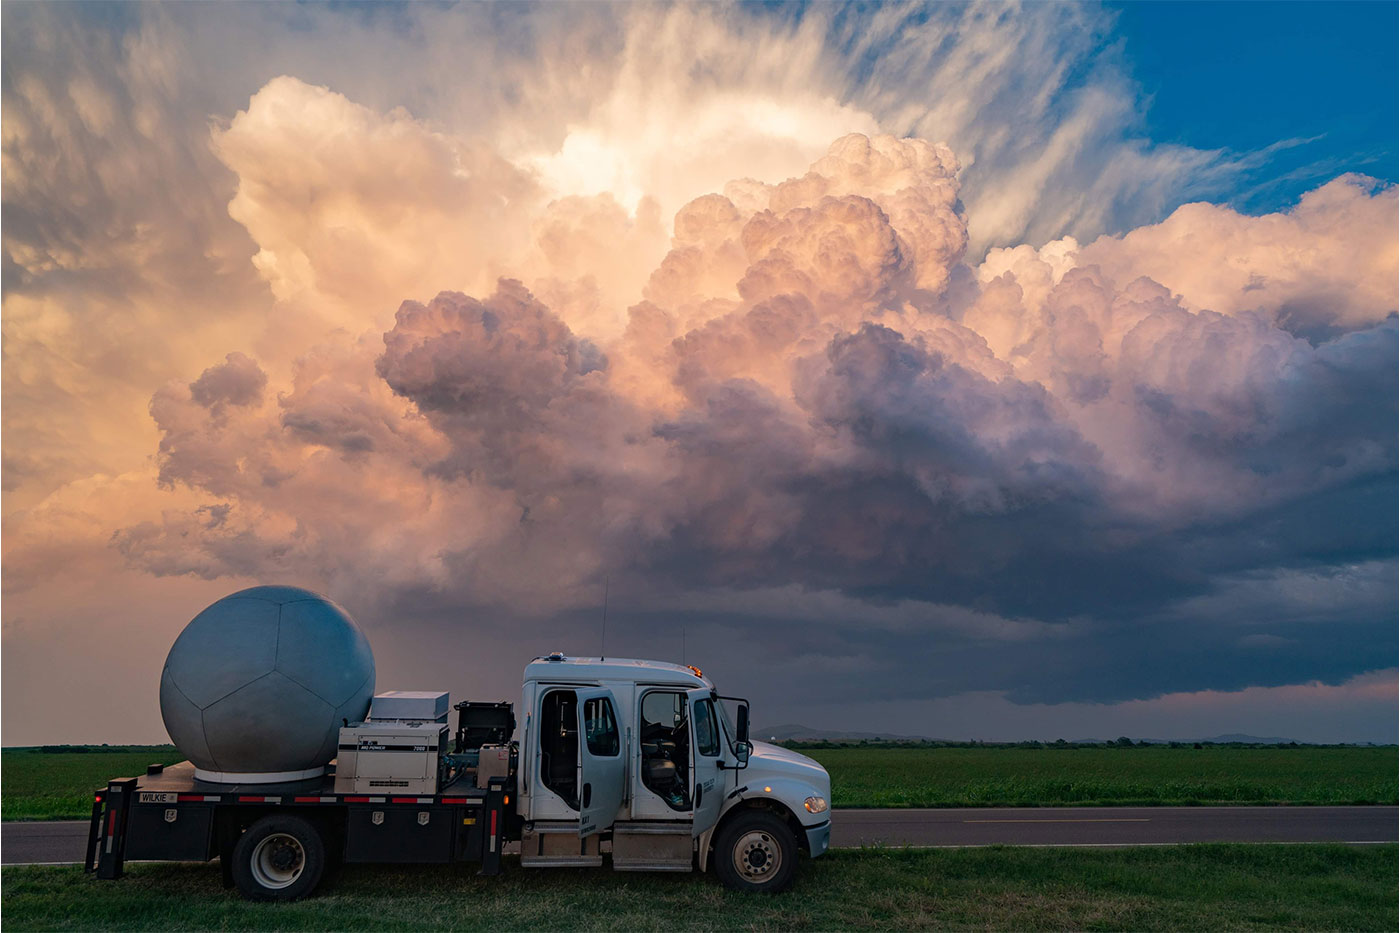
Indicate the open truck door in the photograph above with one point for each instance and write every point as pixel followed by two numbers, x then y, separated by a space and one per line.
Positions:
pixel 706 774
pixel 602 766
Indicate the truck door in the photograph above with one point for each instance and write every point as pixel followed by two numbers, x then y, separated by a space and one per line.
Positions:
pixel 602 767
pixel 706 776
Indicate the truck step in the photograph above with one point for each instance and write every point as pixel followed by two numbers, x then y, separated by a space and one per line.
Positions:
pixel 558 846
pixel 652 847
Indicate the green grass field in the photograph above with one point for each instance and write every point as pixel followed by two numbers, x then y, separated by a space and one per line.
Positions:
pixel 58 785
pixel 40 785
pixel 1215 887
pixel 1138 776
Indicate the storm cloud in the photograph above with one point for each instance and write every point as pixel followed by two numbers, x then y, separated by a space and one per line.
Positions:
pixel 816 390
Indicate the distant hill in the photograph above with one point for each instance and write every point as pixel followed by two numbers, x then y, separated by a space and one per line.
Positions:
pixel 1237 737
pixel 793 732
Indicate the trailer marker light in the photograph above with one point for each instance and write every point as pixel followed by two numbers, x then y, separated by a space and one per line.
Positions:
pixel 506 799
pixel 768 790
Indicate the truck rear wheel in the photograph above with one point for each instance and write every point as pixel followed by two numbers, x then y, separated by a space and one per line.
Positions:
pixel 279 858
pixel 756 851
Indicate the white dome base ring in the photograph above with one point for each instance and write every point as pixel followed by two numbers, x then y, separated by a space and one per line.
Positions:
pixel 257 777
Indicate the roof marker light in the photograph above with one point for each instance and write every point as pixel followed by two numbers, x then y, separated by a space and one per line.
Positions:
pixel 698 672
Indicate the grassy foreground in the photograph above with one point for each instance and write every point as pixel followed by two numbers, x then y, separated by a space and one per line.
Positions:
pixel 1100 776
pixel 58 785
pixel 1215 887
pixel 40 785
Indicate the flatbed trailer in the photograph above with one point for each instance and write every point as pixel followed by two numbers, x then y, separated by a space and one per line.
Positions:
pixel 167 814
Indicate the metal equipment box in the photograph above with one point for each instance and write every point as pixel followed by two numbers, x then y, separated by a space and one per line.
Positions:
pixel 394 757
pixel 495 762
pixel 414 705
pixel 481 724
pixel 399 834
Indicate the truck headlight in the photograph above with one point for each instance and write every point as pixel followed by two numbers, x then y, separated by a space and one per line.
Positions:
pixel 815 804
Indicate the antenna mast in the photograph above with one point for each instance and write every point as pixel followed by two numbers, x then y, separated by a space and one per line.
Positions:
pixel 603 647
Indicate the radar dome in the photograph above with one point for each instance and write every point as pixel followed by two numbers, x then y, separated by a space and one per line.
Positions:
pixel 256 686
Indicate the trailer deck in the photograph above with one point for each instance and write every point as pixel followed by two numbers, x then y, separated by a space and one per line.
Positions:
pixel 179 779
pixel 169 814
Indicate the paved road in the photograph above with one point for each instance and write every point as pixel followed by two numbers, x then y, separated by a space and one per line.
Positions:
pixel 1105 826
pixel 1043 826
pixel 42 842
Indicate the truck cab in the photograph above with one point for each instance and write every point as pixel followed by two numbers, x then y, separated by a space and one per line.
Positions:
pixel 647 759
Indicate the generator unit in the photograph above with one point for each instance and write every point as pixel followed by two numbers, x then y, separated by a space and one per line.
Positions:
pixel 390 757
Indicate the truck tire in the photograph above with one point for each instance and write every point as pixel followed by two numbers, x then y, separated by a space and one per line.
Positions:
pixel 279 858
pixel 756 851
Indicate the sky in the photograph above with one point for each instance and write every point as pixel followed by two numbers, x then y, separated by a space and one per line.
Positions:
pixel 990 372
pixel 1308 83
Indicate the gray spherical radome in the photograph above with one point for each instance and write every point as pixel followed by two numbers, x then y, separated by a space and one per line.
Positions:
pixel 257 685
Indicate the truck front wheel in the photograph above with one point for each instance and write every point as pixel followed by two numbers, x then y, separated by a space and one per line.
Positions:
pixel 279 858
pixel 756 851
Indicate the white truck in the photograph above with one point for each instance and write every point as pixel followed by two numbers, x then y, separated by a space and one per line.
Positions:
pixel 637 761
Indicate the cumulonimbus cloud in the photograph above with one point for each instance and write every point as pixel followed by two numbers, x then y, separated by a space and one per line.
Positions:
pixel 814 387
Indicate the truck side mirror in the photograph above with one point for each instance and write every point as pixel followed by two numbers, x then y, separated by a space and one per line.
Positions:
pixel 742 748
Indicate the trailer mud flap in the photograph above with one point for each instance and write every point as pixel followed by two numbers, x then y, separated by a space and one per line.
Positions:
pixel 94 834
pixel 114 817
pixel 496 800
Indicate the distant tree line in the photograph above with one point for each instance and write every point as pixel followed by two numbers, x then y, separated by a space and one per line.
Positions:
pixel 1121 742
pixel 85 749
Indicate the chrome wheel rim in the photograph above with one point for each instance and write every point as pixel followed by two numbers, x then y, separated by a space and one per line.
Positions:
pixel 757 856
pixel 278 860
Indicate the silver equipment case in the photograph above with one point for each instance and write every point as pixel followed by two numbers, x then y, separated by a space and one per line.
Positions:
pixel 409 705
